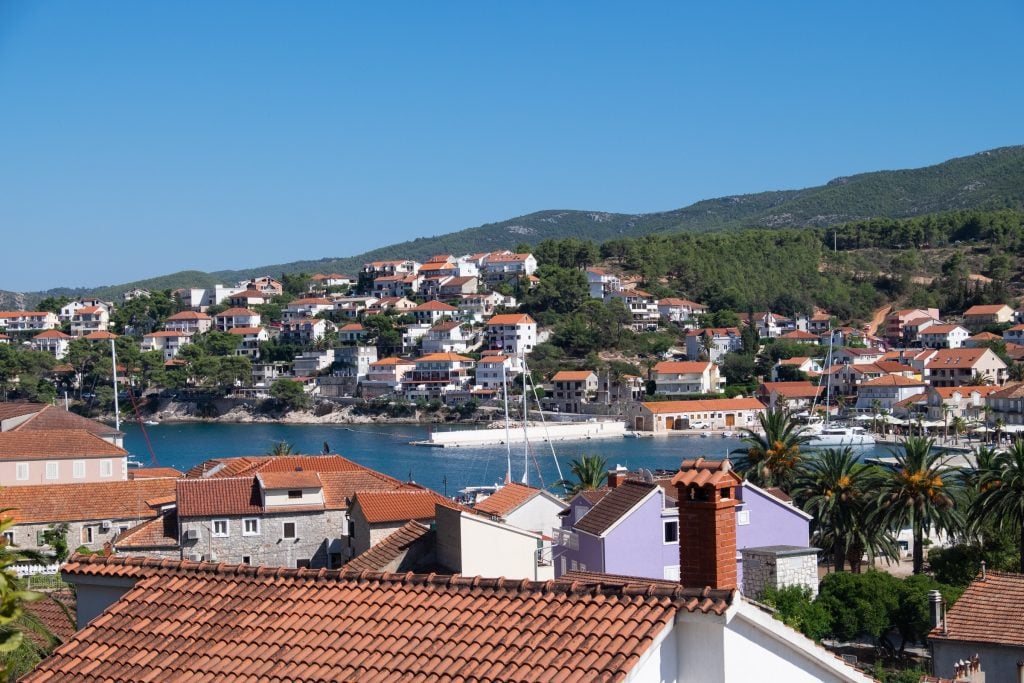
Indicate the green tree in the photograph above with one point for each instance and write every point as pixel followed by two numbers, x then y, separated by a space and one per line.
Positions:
pixel 837 491
pixel 770 457
pixel 919 491
pixel 282 448
pixel 1000 500
pixel 794 607
pixel 290 394
pixel 13 597
pixel 590 472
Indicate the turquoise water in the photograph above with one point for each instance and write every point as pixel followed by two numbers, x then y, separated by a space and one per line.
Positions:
pixel 386 448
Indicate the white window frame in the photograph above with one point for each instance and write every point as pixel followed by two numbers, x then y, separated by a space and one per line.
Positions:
pixel 220 534
pixel 742 517
pixel 52 471
pixel 245 526
pixel 106 468
pixel 671 572
pixel 78 469
pixel 664 527
pixel 21 471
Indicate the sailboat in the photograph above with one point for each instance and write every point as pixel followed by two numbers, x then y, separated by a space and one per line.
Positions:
pixel 824 435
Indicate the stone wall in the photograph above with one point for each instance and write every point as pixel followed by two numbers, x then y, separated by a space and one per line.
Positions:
pixel 314 539
pixel 26 535
pixel 779 567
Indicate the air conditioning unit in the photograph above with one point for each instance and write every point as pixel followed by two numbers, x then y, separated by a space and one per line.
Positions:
pixel 105 525
pixel 192 535
pixel 196 557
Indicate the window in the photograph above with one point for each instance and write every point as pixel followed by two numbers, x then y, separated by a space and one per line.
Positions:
pixel 78 469
pixel 21 471
pixel 9 537
pixel 742 517
pixel 671 573
pixel 52 470
pixel 246 559
pixel 297 493
pixel 251 526
pixel 220 528
pixel 574 565
pixel 302 564
pixel 87 534
pixel 106 469
pixel 672 531
pixel 289 529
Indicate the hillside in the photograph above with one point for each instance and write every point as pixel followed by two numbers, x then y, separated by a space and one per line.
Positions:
pixel 988 180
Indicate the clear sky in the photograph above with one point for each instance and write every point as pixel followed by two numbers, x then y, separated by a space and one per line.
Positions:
pixel 142 138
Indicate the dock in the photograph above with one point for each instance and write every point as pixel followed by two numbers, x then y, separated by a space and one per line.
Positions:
pixel 575 431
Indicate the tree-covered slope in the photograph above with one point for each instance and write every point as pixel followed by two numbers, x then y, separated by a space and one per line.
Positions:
pixel 987 180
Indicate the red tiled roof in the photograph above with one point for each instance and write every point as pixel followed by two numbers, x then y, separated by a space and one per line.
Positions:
pixel 168 333
pixel 205 622
pixel 154 473
pixel 47 503
pixel 941 329
pixel 189 315
pixel 893 381
pixel 683 367
pixel 506 499
pixel 51 417
pixel 989 611
pixel 161 532
pixel 400 505
pixel 985 309
pixel 511 319
pixel 701 472
pixel 800 334
pixel 56 611
pixel 956 358
pixel 237 312
pixel 704 406
pixel 218 496
pixel 100 335
pixel 55 444
pixel 384 554
pixel 443 357
pixel 295 479
pixel 52 334
pixel 616 503
pixel 241 331
pixel 947 392
pixel 572 375
pixel 792 389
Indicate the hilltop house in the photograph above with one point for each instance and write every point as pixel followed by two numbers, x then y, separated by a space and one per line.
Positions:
pixel 189 322
pixel 54 342
pixel 713 341
pixel 432 311
pixel 674 378
pixel 513 333
pixel 642 305
pixel 503 266
pixel 249 340
pixel 571 389
pixel 956 367
pixel 310 307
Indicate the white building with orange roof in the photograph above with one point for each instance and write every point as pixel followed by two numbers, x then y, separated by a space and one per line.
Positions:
pixel 89 319
pixel 455 287
pixel 805 364
pixel 498 266
pixel 479 307
pixel 236 317
pixel 249 340
pixel 249 297
pixel 602 283
pixel 493 369
pixel 189 321
pixel 571 389
pixel 513 333
pixel 436 374
pixel 943 336
pixel 897 320
pixel 677 310
pixel 28 321
pixel 715 341
pixel 967 402
pixel 797 396
pixel 309 307
pixel 819 323
pixel 957 367
pixel 54 342
pixel 642 305
pixel 430 312
pixel 449 336
pixel 304 330
pixel 386 376
pixel 674 378
pixel 886 391
pixel 396 285
pixel 324 280
pixel 720 413
pixel 375 269
pixel 977 317
pixel 167 341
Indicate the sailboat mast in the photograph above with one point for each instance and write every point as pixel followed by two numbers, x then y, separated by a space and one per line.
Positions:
pixel 508 444
pixel 117 412
pixel 526 434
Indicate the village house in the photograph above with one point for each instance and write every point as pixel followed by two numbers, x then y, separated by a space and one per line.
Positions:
pixel 769 325
pixel 715 342
pixel 236 317
pixel 25 416
pixel 449 336
pixel 857 356
pixel 1014 335
pixel 1006 404
pixel 351 333
pixel 30 457
pixel 525 507
pixel 943 336
pixel 895 321
pixel 312 363
pixel 977 317
pixel 796 396
pixel 249 340
pixel 95 511
pixel 493 370
pixel 390 303
pixel 248 298
pixel 309 307
pixel 135 293
pixel 68 310
pixel 479 307
pixel 376 269
pixel 265 284
pixel 642 305
pixel 956 367
pixel 352 307
pixel 674 378
pixel 721 413
pixel 984 623
pixel 376 514
pixel 819 323
pixel 412 338
pixel 601 283
pixel 438 373
pixel 90 319
pixel 571 389
pixel 28 321
pixel 513 333
pixel 803 364
pixel 396 285
pixel 967 402
pixel 432 311
pixel 304 330
pixel 190 322
pixel 885 392
pixel 502 266
pixel 386 376
pixel 53 342
pixel 321 281
pixel 680 311
pixel 455 287
pixel 167 341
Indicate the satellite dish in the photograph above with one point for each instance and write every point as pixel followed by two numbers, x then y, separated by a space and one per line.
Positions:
pixel 648 477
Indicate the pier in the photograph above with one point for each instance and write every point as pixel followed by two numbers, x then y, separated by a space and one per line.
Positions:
pixel 575 431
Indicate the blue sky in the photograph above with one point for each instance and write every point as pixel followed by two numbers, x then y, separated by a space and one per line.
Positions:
pixel 139 139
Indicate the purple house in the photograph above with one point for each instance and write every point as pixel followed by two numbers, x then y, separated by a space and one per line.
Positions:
pixel 632 526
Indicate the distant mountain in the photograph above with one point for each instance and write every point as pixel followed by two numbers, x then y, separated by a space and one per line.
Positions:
pixel 984 181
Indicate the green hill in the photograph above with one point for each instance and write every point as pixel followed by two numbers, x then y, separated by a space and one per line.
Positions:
pixel 987 180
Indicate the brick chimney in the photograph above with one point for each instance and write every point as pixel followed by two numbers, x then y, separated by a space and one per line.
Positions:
pixel 706 491
pixel 617 476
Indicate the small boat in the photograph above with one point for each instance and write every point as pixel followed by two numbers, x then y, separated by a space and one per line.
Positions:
pixel 133 462
pixel 150 423
pixel 727 435
pixel 635 435
pixel 825 436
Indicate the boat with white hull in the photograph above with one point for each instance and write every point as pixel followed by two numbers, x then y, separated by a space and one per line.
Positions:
pixel 831 436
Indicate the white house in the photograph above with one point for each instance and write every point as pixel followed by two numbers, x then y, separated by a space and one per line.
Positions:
pixel 687 377
pixel 680 310
pixel 306 308
pixel 236 317
pixel 189 321
pixel 249 340
pixel 494 369
pixel 449 336
pixel 943 336
pixel 887 391
pixel 90 319
pixel 53 342
pixel 507 266
pixel 716 341
pixel 513 333
pixel 28 321
pixel 168 341
pixel 602 283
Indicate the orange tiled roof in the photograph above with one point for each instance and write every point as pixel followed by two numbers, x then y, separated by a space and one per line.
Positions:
pixel 207 621
pixel 443 357
pixel 572 375
pixel 56 611
pixel 51 417
pixel 383 555
pixel 681 366
pixel 400 505
pixel 989 611
pixel 218 496
pixel 100 335
pixel 290 480
pixel 941 329
pixel 56 444
pixel 242 331
pixel 508 498
pixel 236 312
pixel 701 472
pixel 168 333
pixel 947 392
pixel 189 315
pixel 511 319
pixel 792 389
pixel 956 358
pixel 985 309
pixel 47 503
pixel 703 406
pixel 893 381
pixel 52 334
pixel 435 306
pixel 161 532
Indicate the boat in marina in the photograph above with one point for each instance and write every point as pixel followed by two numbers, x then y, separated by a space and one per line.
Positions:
pixel 830 436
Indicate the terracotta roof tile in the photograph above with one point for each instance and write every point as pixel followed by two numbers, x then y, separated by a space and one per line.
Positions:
pixel 701 472
pixel 956 358
pixel 161 532
pixel 989 611
pixel 51 417
pixel 289 480
pixel 506 499
pixel 703 406
pixel 435 306
pixel 18 409
pixel 982 309
pixel 218 496
pixel 792 389
pixel 611 508
pixel 572 375
pixel 387 553
pixel 100 335
pixel 511 319
pixel 204 621
pixel 55 443
pixel 238 312
pixel 189 315
pixel 400 505
pixel 56 611
pixel 45 503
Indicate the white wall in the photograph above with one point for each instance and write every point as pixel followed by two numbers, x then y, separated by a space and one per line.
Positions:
pixel 494 549
pixel 540 513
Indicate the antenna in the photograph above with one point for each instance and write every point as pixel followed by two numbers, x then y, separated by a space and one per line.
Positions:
pixel 117 412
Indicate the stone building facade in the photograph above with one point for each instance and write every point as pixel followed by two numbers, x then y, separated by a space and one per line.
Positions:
pixel 779 566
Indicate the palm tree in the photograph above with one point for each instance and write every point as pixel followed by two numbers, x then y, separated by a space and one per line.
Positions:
pixel 958 425
pixel 1015 372
pixel 920 491
pixel 282 448
pixel 590 472
pixel 1001 493
pixel 836 489
pixel 770 458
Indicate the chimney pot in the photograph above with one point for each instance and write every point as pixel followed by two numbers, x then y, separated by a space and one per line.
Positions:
pixel 935 608
pixel 983 576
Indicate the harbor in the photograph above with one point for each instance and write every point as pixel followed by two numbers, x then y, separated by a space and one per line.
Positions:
pixel 532 433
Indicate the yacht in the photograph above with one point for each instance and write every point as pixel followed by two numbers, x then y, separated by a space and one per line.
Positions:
pixel 828 436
